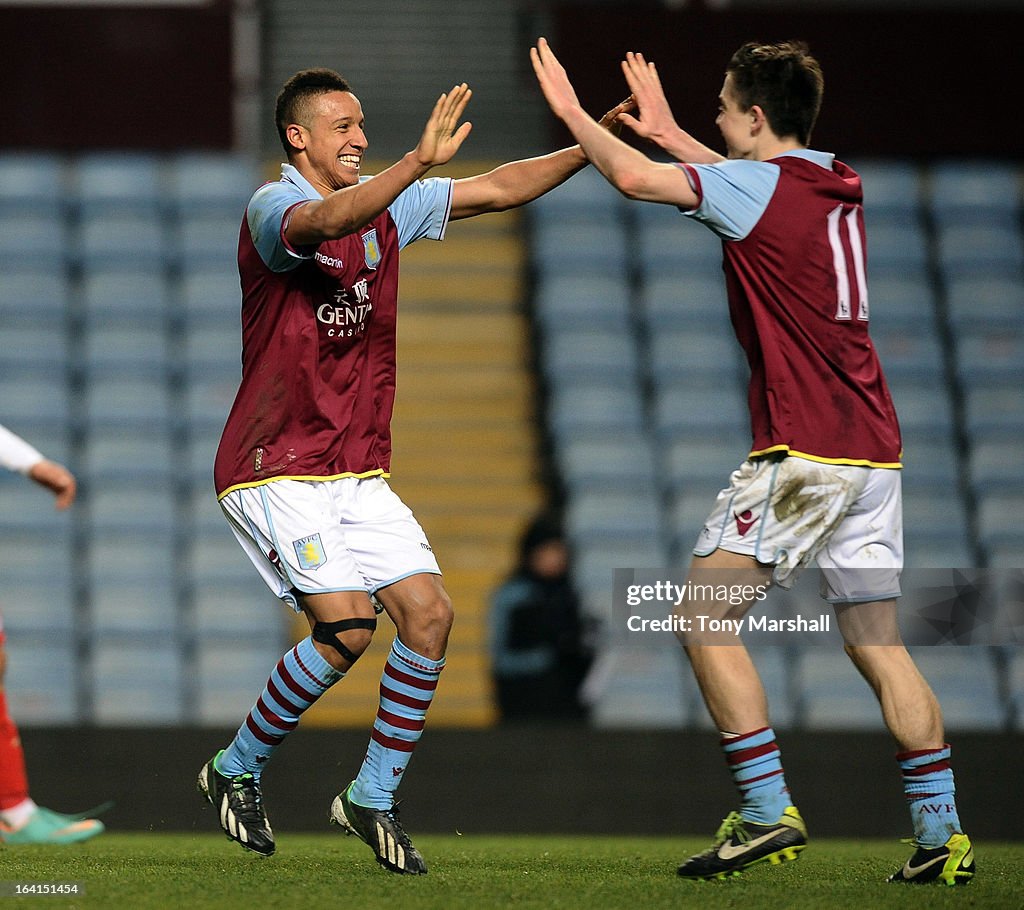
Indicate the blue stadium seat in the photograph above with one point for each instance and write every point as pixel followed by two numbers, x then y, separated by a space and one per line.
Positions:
pixel 131 505
pixel 915 354
pixel 892 188
pixel 42 682
pixel 209 239
pixel 966 683
pixel 211 349
pixel 32 607
pixel 899 301
pixel 999 517
pixel 630 509
pixel 671 303
pixel 688 407
pixel 895 248
pixel 600 461
pixel 137 681
pixel 921 405
pixel 124 402
pixel 931 461
pixel 133 606
pixel 122 181
pixel 832 694
pixel 595 560
pixel 111 237
pixel 586 195
pixel 34 401
pixel 994 409
pixel 683 355
pixel 597 248
pixel 129 456
pixel 33 295
pixel 996 463
pixel 33 236
pixel 702 459
pixel 230 674
pixel 591 353
pixel 613 407
pixel 959 187
pixel 210 292
pixel 35 178
pixel 981 250
pixel 992 356
pixel 985 301
pixel 569 302
pixel 212 182
pixel 644 685
pixel 27 350
pixel 678 248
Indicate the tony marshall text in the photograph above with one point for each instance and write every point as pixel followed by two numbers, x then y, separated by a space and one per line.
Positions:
pixel 735 626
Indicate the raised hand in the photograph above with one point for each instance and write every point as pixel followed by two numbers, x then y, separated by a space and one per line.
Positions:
pixel 443 135
pixel 57 479
pixel 554 82
pixel 654 118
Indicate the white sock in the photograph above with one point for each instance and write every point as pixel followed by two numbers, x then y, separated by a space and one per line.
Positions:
pixel 16 816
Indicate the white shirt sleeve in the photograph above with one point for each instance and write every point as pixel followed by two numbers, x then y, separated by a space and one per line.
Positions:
pixel 15 453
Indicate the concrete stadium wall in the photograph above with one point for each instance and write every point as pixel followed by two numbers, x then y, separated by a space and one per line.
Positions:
pixel 528 779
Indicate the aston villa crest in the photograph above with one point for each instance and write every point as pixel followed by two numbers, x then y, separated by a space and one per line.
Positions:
pixel 371 250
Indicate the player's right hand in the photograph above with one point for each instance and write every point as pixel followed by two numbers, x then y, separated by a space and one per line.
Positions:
pixel 443 135
pixel 57 479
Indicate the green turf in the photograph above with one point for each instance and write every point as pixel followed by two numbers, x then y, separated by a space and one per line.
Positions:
pixel 142 871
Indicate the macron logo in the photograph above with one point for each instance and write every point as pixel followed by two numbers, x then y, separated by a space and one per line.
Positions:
pixel 331 261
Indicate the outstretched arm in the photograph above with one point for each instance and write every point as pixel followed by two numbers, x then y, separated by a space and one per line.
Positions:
pixel 654 120
pixel 18 455
pixel 519 182
pixel 628 170
pixel 348 209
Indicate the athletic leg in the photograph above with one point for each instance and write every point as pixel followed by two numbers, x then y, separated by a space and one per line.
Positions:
pixel 422 613
pixel 914 718
pixel 767 827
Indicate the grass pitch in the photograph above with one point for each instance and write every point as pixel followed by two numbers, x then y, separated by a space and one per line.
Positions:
pixel 144 871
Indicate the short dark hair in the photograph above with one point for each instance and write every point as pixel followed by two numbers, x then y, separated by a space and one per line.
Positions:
pixel 296 93
pixel 784 80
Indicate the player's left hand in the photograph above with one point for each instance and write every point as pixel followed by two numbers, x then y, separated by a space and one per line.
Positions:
pixel 611 121
pixel 554 82
pixel 56 478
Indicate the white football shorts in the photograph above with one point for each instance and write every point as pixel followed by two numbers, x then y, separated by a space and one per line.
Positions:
pixel 317 537
pixel 787 512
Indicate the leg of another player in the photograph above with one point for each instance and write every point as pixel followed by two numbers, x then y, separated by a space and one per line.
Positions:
pixel 767 827
pixel 21 820
pixel 909 708
pixel 421 610
pixel 914 718
pixel 727 677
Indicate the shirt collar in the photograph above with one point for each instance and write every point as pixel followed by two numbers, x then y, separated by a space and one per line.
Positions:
pixel 291 173
pixel 823 159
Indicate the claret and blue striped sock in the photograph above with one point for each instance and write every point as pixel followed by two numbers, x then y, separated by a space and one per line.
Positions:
pixel 406 690
pixel 928 784
pixel 756 765
pixel 299 679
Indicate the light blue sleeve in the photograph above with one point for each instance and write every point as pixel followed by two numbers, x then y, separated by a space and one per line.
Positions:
pixel 734 195
pixel 265 213
pixel 422 210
